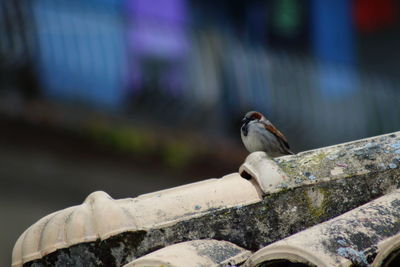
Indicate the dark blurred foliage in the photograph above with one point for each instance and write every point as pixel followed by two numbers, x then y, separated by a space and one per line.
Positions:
pixel 156 88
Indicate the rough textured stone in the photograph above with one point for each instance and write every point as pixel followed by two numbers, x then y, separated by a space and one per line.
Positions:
pixel 323 183
pixel 360 237
pixel 197 253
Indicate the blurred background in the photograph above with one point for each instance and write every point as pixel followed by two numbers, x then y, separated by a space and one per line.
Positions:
pixel 133 96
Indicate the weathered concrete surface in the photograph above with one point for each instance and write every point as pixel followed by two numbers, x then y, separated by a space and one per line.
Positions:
pixel 351 239
pixel 322 184
pixel 101 217
pixel 197 253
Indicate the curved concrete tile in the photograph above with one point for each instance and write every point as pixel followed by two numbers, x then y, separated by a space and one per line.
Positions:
pixel 265 171
pixel 100 216
pixel 353 238
pixel 386 248
pixel 197 253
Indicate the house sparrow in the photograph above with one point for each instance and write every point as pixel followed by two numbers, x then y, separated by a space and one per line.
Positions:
pixel 258 134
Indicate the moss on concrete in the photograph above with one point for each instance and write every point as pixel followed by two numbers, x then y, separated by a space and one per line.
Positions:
pixel 316 192
pixel 318 210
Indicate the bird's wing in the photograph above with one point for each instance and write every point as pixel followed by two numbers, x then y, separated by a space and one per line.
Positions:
pixel 277 133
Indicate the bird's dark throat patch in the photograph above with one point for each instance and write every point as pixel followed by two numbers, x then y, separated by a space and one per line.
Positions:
pixel 245 129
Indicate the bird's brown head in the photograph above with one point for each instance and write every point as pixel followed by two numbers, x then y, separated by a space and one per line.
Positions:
pixel 251 116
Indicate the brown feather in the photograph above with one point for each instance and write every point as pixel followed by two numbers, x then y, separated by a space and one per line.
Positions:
pixel 277 133
pixel 256 115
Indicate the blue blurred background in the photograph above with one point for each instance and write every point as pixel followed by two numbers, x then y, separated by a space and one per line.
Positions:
pixel 132 96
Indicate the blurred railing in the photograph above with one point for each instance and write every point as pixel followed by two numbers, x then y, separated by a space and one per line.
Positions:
pixel 120 55
pixel 315 103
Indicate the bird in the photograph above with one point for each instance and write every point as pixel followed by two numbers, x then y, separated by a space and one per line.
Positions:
pixel 259 134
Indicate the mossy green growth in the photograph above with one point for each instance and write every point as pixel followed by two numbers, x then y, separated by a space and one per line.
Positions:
pixel 320 156
pixel 312 164
pixel 289 168
pixel 314 159
pixel 317 211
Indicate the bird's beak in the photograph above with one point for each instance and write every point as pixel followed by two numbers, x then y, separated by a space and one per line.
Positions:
pixel 245 120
